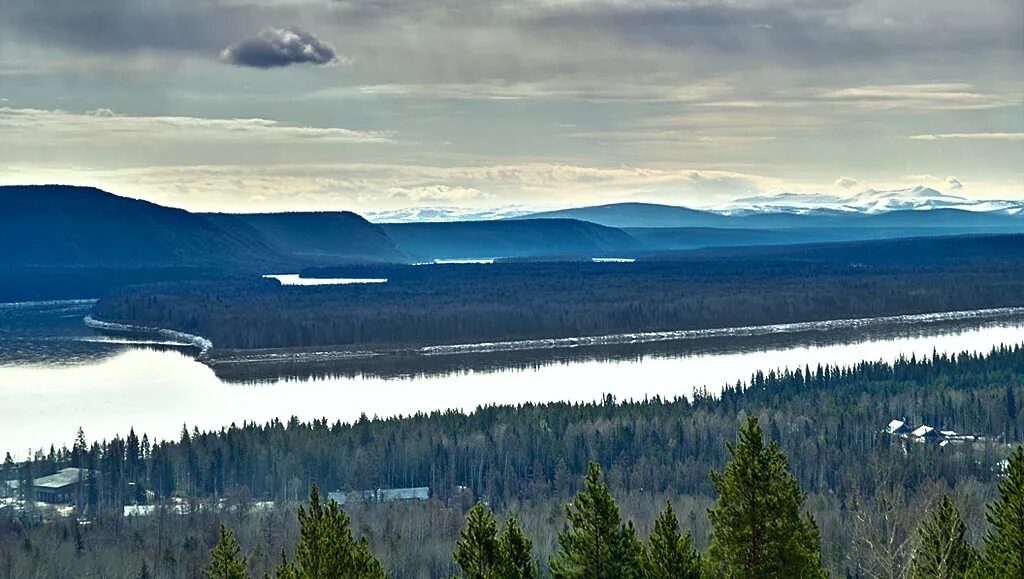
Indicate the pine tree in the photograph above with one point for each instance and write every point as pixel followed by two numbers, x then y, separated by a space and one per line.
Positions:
pixel 595 544
pixel 515 554
pixel 477 550
pixel 757 530
pixel 226 561
pixel 942 552
pixel 144 572
pixel 1003 555
pixel 670 554
pixel 326 548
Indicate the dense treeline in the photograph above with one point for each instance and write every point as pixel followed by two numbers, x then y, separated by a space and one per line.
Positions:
pixel 444 304
pixel 758 531
pixel 528 459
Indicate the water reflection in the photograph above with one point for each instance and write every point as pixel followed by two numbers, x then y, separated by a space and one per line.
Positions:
pixel 115 385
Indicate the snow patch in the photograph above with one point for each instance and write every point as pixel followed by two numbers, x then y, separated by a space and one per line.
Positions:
pixel 200 342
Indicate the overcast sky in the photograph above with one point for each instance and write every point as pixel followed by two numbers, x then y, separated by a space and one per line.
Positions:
pixel 369 105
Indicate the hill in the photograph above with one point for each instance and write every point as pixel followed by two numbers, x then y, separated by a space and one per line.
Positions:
pixel 637 215
pixel 317 237
pixel 489 239
pixel 56 225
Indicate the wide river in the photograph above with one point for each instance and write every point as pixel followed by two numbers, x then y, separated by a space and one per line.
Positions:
pixel 57 375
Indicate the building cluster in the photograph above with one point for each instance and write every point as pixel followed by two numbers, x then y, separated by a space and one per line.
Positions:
pixel 928 434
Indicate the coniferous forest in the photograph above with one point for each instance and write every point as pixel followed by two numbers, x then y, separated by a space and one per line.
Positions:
pixel 852 497
pixel 459 304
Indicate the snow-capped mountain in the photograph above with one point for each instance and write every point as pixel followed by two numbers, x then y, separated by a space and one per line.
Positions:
pixel 868 202
pixel 443 214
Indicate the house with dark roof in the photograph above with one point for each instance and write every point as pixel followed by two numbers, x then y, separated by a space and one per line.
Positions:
pixel 59 488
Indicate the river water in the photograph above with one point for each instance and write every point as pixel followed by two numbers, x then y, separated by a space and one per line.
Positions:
pixel 57 375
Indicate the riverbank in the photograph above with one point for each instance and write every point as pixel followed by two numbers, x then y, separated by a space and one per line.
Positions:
pixel 219 358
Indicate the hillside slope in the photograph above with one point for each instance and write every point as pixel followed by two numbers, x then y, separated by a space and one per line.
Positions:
pixel 514 238
pixel 637 215
pixel 56 225
pixel 319 237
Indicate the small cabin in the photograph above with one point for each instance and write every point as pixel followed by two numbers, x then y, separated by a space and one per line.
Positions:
pixel 926 434
pixel 898 427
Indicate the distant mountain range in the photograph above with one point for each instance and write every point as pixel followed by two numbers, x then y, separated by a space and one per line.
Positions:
pixel 919 207
pixel 868 202
pixel 81 227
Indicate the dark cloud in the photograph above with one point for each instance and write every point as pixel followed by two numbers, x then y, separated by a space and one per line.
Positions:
pixel 954 183
pixel 277 47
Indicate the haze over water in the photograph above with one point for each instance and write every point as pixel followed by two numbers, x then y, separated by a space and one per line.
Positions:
pixel 57 375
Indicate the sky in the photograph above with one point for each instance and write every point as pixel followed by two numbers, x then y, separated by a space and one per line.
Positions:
pixel 376 105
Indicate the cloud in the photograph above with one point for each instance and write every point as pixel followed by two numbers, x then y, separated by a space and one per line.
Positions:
pixel 434 193
pixel 107 127
pixel 954 184
pixel 970 137
pixel 376 187
pixel 279 47
pixel 846 182
pixel 928 96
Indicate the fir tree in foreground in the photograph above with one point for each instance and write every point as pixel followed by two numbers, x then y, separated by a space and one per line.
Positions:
pixel 595 544
pixel 326 548
pixel 1003 555
pixel 942 552
pixel 757 530
pixel 515 552
pixel 477 550
pixel 670 554
pixel 226 561
pixel 482 554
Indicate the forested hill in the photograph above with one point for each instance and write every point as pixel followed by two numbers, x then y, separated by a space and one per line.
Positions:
pixel 82 227
pixel 489 239
pixel 86 227
pixel 318 237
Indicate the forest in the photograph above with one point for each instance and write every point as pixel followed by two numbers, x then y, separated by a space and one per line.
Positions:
pixel 450 304
pixel 866 490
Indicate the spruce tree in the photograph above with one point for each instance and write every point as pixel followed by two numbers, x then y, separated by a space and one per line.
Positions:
pixel 1003 555
pixel 477 550
pixel 757 530
pixel 326 548
pixel 595 544
pixel 670 554
pixel 942 552
pixel 515 554
pixel 226 561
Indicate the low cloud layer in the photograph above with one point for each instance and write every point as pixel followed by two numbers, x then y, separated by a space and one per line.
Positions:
pixel 279 47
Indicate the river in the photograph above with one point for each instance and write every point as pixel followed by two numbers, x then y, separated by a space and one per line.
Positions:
pixel 57 375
